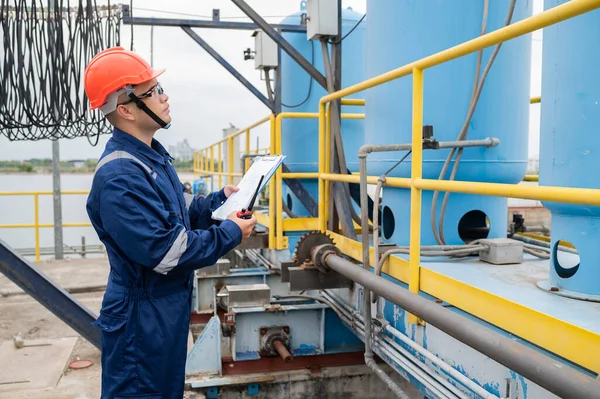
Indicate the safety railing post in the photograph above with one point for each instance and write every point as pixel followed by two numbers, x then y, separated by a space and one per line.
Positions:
pixel 247 160
pixel 272 243
pixel 220 164
pixel 415 193
pixel 230 167
pixel 278 186
pixel 321 140
pixel 36 221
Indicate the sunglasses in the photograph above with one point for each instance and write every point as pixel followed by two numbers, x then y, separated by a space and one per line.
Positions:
pixel 156 88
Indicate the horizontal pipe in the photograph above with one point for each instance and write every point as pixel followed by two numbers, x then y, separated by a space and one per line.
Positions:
pixel 581 196
pixel 79 192
pixel 390 181
pixel 235 174
pixel 552 16
pixel 542 370
pixel 196 23
pixel 41 225
pixel 353 101
pixel 366 149
pixel 299 175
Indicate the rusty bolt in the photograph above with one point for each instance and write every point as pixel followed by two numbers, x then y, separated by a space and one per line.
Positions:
pixel 263 330
pixel 553 289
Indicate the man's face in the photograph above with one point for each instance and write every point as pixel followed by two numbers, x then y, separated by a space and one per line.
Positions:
pixel 158 103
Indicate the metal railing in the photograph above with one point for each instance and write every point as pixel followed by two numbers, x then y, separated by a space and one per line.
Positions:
pixel 36 225
pixel 205 161
pixel 453 291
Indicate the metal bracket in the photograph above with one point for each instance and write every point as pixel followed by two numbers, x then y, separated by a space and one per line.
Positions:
pixel 281 42
pixel 205 356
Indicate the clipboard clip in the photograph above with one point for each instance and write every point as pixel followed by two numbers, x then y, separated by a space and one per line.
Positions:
pixel 247 213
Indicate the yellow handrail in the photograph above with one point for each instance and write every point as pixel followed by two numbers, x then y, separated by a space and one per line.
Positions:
pixel 36 225
pixel 554 15
pixel 204 158
pixel 279 237
pixel 416 183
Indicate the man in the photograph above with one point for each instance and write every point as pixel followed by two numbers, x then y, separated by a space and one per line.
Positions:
pixel 155 236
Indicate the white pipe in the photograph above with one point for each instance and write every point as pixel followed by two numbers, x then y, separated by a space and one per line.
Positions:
pixel 429 355
pixel 441 364
pixel 420 371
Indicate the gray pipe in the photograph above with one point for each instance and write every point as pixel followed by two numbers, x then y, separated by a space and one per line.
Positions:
pixel 553 376
pixel 363 152
pixel 369 148
pixel 364 215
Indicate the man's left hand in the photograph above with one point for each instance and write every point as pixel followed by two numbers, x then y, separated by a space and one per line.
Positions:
pixel 229 189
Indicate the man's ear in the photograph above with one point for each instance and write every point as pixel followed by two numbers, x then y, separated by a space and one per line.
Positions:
pixel 124 112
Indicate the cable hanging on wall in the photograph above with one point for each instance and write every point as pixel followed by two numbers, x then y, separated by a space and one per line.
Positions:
pixel 46 48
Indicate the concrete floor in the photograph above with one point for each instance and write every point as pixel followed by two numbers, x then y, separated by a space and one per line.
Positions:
pixel 20 314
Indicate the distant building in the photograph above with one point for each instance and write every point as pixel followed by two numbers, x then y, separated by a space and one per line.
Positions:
pixel 181 151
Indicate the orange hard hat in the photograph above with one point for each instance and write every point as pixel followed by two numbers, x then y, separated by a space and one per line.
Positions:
pixel 111 70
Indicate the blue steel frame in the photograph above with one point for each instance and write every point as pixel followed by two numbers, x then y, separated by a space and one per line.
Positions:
pixel 229 67
pixel 41 288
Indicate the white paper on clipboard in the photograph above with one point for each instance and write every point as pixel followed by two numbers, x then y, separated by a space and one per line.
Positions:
pixel 262 166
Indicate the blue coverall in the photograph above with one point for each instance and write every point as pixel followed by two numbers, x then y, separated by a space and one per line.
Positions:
pixel 155 237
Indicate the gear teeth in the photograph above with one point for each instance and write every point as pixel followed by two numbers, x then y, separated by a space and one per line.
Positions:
pixel 306 243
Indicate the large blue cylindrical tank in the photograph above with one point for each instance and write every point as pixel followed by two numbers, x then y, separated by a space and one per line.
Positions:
pixel 302 94
pixel 570 144
pixel 403 31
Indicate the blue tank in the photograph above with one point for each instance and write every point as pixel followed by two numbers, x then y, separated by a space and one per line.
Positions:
pixel 570 145
pixel 301 94
pixel 402 31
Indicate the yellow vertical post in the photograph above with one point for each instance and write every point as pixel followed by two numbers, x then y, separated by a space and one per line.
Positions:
pixel 327 166
pixel 211 166
pixel 220 165
pixel 272 243
pixel 247 160
pixel 230 167
pixel 206 155
pixel 415 193
pixel 196 162
pixel 321 199
pixel 278 186
pixel 36 221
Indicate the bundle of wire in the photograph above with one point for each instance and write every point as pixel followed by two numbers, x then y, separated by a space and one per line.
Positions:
pixel 45 51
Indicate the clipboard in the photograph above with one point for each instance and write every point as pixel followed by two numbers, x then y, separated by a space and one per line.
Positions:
pixel 265 167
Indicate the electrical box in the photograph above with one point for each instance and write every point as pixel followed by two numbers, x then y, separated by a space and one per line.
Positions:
pixel 501 251
pixel 266 51
pixel 321 19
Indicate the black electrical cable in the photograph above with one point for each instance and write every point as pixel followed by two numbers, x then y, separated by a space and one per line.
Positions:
pixel 310 82
pixel 351 30
pixel 46 48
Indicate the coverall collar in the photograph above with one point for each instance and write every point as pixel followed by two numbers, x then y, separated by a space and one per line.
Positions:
pixel 156 153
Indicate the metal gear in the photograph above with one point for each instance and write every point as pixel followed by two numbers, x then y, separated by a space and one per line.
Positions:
pixel 305 245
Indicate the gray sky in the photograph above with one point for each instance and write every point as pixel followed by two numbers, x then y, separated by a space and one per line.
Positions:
pixel 204 97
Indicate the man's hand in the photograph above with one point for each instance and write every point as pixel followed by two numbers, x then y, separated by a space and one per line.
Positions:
pixel 246 225
pixel 229 189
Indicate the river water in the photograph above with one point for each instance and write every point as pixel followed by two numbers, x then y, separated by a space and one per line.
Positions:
pixel 19 209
